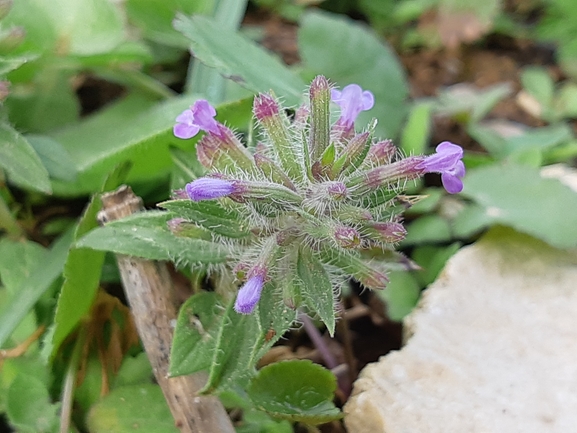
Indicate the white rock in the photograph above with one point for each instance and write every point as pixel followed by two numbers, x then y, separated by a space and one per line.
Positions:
pixel 492 348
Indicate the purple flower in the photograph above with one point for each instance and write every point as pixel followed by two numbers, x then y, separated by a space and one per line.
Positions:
pixel 198 117
pixel 249 293
pixel 446 161
pixel 352 101
pixel 207 188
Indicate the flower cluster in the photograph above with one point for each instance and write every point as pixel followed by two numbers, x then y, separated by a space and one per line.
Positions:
pixel 311 189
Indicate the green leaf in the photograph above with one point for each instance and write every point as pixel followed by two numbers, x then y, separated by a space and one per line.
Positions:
pixel 18 260
pixel 81 272
pixel 146 235
pixel 195 334
pixel 239 59
pixel 537 82
pixel 28 406
pixel 47 103
pixel 317 290
pixel 54 157
pixel 81 27
pixel 401 294
pixel 274 315
pixel 30 290
pixel 296 390
pixel 566 101
pixel 210 215
pixel 429 228
pixel 432 260
pixel 20 162
pixel 239 345
pixel 136 130
pixel 121 411
pixel 417 130
pixel 347 52
pixel 154 18
pixel 519 197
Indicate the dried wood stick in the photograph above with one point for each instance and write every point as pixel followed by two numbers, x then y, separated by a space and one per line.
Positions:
pixel 149 291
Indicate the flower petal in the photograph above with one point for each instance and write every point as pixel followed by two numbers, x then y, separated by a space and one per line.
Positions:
pixel 249 295
pixel 207 188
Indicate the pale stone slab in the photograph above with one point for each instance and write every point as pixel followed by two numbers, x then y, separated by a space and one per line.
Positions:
pixel 492 348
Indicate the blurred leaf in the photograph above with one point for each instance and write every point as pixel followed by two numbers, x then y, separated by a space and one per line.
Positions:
pixel 18 260
pixel 417 130
pixel 132 408
pixel 37 282
pixel 536 81
pixel 429 201
pixel 401 294
pixel 80 27
pixel 48 102
pixel 296 390
pixel 81 271
pixel 432 260
pixel 54 157
pixel 519 197
pixel 20 162
pixel 470 221
pixel 133 129
pixel 209 214
pixel 347 53
pixel 239 59
pixel 469 100
pixel 28 406
pixel 429 228
pixel 146 235
pixel 566 101
pixel 317 292
pixel 8 64
pixel 154 18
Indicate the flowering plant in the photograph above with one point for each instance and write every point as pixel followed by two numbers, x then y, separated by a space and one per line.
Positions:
pixel 311 200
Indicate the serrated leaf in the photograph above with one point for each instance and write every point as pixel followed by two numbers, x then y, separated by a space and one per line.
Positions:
pixel 210 215
pixel 20 161
pixel 30 289
pixel 326 39
pixel 239 59
pixel 275 316
pixel 121 411
pixel 317 290
pixel 519 197
pixel 146 235
pixel 295 390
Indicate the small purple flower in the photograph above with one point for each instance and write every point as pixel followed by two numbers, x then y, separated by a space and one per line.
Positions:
pixel 207 188
pixel 447 161
pixel 198 117
pixel 352 100
pixel 249 293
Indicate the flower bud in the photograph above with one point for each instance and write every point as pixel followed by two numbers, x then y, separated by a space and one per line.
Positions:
pixel 388 232
pixel 381 153
pixel 274 122
pixel 347 237
pixel 186 229
pixel 353 155
pixel 272 171
pixel 221 150
pixel 319 137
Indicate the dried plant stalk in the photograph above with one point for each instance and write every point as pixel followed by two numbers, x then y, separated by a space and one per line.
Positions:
pixel 149 291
